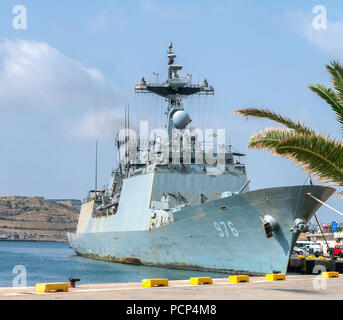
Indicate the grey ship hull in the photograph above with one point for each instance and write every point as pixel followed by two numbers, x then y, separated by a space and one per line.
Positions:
pixel 226 234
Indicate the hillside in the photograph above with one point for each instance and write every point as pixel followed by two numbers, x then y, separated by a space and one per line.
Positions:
pixel 33 215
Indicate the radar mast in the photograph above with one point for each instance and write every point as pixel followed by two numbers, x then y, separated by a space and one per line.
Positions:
pixel 174 89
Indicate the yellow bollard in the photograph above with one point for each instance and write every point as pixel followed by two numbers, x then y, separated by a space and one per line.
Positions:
pixel 200 280
pixel 154 282
pixel 276 276
pixel 240 278
pixel 52 287
pixel 331 274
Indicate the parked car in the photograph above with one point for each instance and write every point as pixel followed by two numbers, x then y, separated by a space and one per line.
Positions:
pixel 297 250
pixel 338 250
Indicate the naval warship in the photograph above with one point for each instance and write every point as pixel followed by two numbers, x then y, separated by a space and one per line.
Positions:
pixel 189 207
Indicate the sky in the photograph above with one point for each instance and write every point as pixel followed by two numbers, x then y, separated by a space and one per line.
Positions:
pixel 66 78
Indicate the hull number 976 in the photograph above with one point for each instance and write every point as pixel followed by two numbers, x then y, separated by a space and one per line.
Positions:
pixel 225 229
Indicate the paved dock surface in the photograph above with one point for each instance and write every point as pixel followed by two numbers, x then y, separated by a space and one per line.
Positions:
pixel 295 287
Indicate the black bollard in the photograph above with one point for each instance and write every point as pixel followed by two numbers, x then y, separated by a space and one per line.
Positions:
pixel 72 281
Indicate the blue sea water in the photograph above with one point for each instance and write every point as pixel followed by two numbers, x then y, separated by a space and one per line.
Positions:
pixel 56 262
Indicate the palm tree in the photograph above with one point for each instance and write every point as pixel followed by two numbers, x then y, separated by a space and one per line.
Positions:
pixel 319 155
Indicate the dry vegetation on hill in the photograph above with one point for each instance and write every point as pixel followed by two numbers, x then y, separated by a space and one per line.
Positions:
pixel 49 220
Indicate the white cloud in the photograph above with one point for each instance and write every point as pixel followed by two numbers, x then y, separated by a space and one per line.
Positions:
pixel 329 41
pixel 36 76
pixel 99 123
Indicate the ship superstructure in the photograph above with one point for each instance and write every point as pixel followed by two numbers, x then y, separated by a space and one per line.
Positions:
pixel 177 202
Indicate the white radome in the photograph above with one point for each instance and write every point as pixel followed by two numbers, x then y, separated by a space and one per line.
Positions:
pixel 181 119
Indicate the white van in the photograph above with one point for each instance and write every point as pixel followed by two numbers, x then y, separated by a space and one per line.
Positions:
pixel 303 243
pixel 309 246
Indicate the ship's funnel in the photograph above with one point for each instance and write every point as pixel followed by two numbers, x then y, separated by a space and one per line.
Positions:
pixel 181 119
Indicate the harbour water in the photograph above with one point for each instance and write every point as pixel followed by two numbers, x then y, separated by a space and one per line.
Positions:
pixel 56 262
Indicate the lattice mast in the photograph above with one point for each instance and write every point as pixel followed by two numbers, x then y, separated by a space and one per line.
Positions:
pixel 174 89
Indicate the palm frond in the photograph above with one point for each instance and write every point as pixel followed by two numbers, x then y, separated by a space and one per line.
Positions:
pixel 266 113
pixel 270 138
pixel 331 98
pixel 314 153
pixel 336 75
pixel 317 155
pixel 336 65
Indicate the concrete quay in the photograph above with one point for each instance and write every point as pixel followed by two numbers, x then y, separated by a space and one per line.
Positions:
pixel 295 287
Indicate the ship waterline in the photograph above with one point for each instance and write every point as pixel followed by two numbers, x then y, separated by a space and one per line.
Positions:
pixel 226 235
